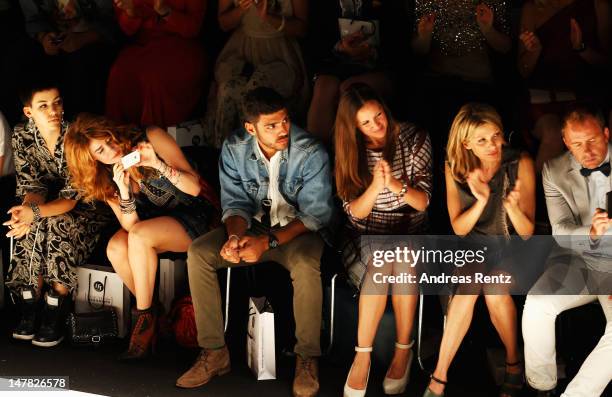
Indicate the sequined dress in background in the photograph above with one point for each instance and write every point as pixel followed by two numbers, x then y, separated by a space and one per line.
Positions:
pixel 458 47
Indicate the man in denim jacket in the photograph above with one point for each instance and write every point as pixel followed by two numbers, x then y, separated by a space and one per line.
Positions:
pixel 276 197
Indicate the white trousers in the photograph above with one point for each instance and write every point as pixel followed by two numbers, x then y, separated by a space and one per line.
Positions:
pixel 539 318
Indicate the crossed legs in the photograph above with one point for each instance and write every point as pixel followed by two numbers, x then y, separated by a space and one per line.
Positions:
pixel 133 254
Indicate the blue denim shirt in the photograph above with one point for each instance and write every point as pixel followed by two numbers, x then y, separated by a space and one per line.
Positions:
pixel 304 178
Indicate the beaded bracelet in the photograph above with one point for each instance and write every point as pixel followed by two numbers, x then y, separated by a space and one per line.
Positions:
pixel 35 211
pixel 171 174
pixel 127 206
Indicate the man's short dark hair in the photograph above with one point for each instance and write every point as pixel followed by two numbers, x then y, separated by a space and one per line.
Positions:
pixel 261 100
pixel 581 112
pixel 28 90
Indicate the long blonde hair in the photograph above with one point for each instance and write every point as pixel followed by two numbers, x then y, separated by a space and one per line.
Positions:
pixel 91 177
pixel 351 165
pixel 462 161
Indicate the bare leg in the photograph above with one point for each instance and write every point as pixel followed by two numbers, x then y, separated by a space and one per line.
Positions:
pixel 371 309
pixel 458 321
pixel 117 253
pixel 60 289
pixel 404 307
pixel 548 131
pixel 322 111
pixel 503 316
pixel 145 240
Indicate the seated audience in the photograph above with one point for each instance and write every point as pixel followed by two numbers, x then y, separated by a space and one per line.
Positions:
pixel 157 199
pixel 357 56
pixel 383 176
pixel 276 197
pixel 564 51
pixel 158 76
pixel 261 52
pixel 490 191
pixel 73 40
pixel 54 231
pixel 579 272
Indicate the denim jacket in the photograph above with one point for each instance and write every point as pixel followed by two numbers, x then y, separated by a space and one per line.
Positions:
pixel 305 179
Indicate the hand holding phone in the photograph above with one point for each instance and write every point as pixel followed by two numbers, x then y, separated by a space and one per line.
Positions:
pixel 130 159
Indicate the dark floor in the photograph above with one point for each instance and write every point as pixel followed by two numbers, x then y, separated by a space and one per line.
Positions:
pixel 97 371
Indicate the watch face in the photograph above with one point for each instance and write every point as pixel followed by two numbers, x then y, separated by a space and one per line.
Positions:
pixel 273 242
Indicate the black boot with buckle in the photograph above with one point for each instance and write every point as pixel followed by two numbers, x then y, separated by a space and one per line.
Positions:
pixel 52 320
pixel 27 303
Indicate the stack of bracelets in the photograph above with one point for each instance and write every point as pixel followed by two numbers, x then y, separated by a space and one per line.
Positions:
pixel 127 206
pixel 174 176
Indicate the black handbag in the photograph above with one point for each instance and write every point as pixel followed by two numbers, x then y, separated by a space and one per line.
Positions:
pixel 95 327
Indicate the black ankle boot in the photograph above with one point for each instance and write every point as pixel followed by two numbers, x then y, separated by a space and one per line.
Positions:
pixel 144 335
pixel 52 323
pixel 27 302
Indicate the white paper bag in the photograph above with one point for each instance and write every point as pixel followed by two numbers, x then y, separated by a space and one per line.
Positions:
pixel 172 280
pixel 261 351
pixel 114 294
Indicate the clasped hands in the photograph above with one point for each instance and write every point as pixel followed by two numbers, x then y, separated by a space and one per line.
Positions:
pixel 21 219
pixel 246 248
pixel 382 177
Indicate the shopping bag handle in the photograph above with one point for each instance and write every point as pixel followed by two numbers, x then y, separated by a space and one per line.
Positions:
pixel 103 295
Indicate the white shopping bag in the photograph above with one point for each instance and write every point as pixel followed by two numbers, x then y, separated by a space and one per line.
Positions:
pixel 104 291
pixel 261 353
pixel 172 281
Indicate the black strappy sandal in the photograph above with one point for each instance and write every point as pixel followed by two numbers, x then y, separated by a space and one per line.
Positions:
pixel 513 383
pixel 429 393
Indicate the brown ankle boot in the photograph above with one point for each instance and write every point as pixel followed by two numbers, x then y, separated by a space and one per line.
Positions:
pixel 306 380
pixel 144 335
pixel 208 364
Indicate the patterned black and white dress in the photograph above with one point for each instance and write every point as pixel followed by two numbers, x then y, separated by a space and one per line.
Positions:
pixel 412 163
pixel 55 245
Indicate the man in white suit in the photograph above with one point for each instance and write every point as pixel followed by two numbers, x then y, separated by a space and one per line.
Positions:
pixel 575 185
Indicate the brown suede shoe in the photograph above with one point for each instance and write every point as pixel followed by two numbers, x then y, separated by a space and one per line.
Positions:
pixel 208 364
pixel 306 380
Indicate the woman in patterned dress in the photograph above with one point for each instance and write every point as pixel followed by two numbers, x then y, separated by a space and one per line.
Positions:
pixel 490 191
pixel 161 203
pixel 383 176
pixel 54 231
pixel 262 51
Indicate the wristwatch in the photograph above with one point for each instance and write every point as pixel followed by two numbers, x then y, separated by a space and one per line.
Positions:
pixel 272 241
pixel 36 211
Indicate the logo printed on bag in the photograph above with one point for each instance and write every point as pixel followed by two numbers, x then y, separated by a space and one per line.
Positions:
pixel 98 286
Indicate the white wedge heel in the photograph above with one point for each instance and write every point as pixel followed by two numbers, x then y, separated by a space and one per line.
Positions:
pixel 397 386
pixel 349 391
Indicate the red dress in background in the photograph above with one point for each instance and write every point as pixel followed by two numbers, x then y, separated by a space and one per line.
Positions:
pixel 157 79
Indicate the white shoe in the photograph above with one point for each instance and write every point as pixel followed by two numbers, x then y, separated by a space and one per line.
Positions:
pixel 349 391
pixel 397 386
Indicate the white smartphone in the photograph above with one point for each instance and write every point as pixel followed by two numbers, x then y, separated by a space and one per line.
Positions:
pixel 131 159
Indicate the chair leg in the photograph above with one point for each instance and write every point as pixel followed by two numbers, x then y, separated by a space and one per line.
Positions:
pixel 332 313
pixel 420 332
pixel 227 297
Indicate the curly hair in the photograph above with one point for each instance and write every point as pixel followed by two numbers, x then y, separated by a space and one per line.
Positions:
pixel 91 177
